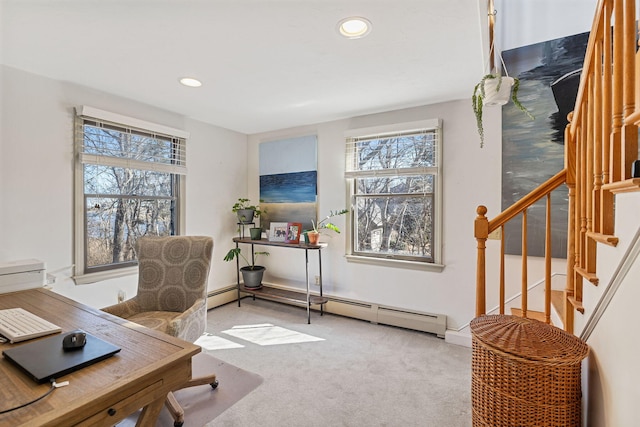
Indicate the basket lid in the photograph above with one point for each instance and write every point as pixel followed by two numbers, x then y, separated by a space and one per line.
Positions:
pixel 528 339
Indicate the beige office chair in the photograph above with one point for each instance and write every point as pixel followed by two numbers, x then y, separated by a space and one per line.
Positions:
pixel 172 291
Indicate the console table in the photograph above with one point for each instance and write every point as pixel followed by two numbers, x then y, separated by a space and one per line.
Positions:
pixel 269 292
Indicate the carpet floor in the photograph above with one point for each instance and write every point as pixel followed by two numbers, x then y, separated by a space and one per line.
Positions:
pixel 337 371
pixel 334 372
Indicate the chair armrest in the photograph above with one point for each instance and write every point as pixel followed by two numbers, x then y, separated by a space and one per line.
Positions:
pixel 190 324
pixel 124 309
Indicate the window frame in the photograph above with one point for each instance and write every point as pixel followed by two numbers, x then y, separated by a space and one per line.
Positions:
pixel 389 260
pixel 83 275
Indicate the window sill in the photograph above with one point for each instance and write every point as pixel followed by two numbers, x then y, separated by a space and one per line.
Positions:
pixel 413 265
pixel 85 279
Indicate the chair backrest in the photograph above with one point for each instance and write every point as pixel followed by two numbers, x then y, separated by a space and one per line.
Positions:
pixel 173 271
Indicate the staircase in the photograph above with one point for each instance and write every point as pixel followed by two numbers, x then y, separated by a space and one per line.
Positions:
pixel 601 145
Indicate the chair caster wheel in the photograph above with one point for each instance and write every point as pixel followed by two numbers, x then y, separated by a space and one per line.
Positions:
pixel 214 385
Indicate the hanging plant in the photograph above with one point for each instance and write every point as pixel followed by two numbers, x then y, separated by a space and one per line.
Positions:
pixel 495 89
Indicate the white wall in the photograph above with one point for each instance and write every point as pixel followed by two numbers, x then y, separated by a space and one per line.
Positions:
pixel 36 178
pixel 521 22
pixel 613 371
pixel 471 177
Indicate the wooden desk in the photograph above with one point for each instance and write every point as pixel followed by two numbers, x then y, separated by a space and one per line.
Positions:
pixel 149 365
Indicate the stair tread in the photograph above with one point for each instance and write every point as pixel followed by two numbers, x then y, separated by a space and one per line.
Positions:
pixel 607 239
pixel 576 304
pixel 591 277
pixel 557 301
pixel 531 314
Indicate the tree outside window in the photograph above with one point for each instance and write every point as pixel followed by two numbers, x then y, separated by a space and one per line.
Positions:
pixel 130 189
pixel 394 181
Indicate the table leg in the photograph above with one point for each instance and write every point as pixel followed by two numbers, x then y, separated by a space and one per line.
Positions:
pixel 306 259
pixel 149 414
pixel 238 275
pixel 320 273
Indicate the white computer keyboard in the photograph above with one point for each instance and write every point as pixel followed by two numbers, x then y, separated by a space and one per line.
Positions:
pixel 17 324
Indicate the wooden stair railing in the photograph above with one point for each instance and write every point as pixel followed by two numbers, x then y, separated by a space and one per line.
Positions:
pixel 601 144
pixel 483 227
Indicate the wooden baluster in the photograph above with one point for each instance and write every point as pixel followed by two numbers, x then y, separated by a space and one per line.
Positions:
pixel 606 216
pixel 502 283
pixel 580 198
pixel 589 178
pixel 570 167
pixel 547 263
pixel 629 130
pixel 589 243
pixel 597 137
pixel 637 70
pixel 580 222
pixel 616 109
pixel 582 183
pixel 481 232
pixel 524 263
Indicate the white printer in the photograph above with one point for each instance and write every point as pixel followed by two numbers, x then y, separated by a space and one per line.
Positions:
pixel 22 274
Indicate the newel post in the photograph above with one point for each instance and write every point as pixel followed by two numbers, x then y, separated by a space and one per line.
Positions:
pixel 481 231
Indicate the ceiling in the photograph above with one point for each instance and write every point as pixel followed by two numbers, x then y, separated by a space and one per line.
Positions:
pixel 264 64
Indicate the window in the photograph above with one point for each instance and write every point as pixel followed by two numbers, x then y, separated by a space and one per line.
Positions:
pixel 128 184
pixel 395 180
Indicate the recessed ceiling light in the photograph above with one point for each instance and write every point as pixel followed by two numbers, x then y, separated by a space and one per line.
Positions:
pixel 354 27
pixel 191 82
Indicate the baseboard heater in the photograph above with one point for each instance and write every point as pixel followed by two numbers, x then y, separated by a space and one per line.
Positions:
pixel 222 296
pixel 393 316
pixel 409 319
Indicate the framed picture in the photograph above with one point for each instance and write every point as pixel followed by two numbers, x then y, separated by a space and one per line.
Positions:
pixel 289 180
pixel 278 231
pixel 293 232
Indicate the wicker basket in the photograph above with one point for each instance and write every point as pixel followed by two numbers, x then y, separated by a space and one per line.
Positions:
pixel 525 373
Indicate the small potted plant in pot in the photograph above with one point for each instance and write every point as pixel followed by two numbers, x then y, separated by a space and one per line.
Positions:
pixel 314 233
pixel 246 211
pixel 495 89
pixel 251 273
pixel 255 233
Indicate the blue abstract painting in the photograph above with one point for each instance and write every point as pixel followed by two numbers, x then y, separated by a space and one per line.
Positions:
pixel 533 151
pixel 289 181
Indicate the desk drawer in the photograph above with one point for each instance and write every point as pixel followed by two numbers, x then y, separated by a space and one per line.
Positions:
pixel 130 404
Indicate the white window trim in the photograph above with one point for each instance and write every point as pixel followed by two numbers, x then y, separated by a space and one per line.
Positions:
pixel 437 265
pixel 79 226
pixel 107 116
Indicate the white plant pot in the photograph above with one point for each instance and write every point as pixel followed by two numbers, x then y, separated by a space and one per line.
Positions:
pixel 493 96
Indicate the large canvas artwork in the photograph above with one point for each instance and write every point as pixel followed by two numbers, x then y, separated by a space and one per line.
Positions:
pixel 288 181
pixel 533 151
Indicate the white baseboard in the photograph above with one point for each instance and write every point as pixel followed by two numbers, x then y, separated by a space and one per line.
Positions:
pixel 409 319
pixel 458 338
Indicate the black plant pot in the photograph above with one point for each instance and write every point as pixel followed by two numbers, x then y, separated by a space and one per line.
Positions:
pixel 252 277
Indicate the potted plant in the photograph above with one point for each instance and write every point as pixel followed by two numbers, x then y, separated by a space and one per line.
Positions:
pixel 324 224
pixel 495 89
pixel 251 273
pixel 255 233
pixel 246 211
